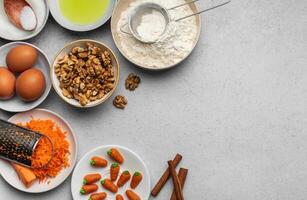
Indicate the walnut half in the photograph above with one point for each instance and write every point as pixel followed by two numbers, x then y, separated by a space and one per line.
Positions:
pixel 132 82
pixel 120 102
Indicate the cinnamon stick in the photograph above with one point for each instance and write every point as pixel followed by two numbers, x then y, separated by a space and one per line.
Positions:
pixel 155 191
pixel 181 176
pixel 177 186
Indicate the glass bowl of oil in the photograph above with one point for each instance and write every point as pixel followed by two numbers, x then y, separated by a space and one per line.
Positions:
pixel 81 15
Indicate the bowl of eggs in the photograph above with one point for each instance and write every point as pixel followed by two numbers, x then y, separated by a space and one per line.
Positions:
pixel 24 77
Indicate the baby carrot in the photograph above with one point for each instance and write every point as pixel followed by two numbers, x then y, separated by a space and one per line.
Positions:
pixel 114 171
pixel 136 179
pixel 124 178
pixel 119 197
pixel 91 178
pixel 98 196
pixel 87 189
pixel 132 195
pixel 116 155
pixel 109 185
pixel 98 162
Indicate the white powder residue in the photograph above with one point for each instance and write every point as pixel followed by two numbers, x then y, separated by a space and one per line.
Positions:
pixel 152 26
pixel 28 19
pixel 176 44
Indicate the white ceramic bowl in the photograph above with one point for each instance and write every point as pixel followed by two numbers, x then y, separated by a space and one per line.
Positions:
pixel 9 174
pixel 66 50
pixel 132 163
pixel 10 32
pixel 15 104
pixel 57 15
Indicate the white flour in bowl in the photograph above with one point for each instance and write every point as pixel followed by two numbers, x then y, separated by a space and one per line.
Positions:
pixel 152 26
pixel 176 44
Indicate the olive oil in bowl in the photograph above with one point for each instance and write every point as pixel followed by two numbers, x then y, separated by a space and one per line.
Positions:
pixel 84 12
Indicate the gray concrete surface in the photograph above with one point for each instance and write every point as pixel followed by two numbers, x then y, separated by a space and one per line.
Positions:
pixel 236 109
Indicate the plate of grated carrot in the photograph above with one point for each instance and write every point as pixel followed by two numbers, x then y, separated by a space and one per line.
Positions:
pixel 61 156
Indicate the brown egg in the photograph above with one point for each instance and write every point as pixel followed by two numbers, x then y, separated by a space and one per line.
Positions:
pixel 30 85
pixel 7 83
pixel 21 58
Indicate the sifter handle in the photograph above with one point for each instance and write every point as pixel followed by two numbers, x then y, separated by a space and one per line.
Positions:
pixel 197 13
pixel 124 31
pixel 172 8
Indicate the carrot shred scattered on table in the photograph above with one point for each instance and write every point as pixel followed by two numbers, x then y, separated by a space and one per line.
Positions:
pixel 43 150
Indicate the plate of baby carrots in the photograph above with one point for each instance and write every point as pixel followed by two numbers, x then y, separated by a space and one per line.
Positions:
pixel 110 172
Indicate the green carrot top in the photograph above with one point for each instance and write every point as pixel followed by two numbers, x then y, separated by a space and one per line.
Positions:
pixel 126 172
pixel 84 182
pixel 92 162
pixel 82 191
pixel 137 174
pixel 109 152
pixel 114 165
pixel 103 181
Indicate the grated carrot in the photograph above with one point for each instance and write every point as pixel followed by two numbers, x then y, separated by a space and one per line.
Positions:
pixel 43 150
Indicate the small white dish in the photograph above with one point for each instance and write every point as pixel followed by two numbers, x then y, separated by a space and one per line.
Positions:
pixel 9 174
pixel 15 104
pixel 58 16
pixel 8 31
pixel 132 163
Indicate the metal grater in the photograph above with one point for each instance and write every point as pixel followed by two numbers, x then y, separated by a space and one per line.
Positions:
pixel 17 143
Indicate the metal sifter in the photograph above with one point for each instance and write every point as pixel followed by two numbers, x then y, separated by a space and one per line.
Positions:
pixel 17 144
pixel 145 8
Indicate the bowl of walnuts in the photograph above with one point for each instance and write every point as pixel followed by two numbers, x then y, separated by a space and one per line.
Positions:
pixel 85 73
